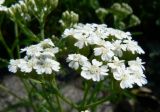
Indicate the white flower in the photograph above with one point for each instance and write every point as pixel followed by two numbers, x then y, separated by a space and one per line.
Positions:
pixel 13 65
pixel 116 63
pixel 46 42
pixel 28 65
pixel 45 47
pixel 50 51
pixel 75 60
pixel 82 41
pixel 85 27
pixel 136 67
pixel 101 32
pixel 118 33
pixel 1 2
pixel 3 8
pixel 105 51
pixel 46 66
pixel 69 32
pixel 126 81
pixel 124 75
pixel 133 46
pixel 138 77
pixel 95 71
pixel 33 50
pixel 93 39
pixel 86 34
pixel 136 64
pixel 118 46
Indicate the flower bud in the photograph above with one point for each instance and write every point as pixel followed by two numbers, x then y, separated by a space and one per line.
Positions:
pixel 69 19
pixel 101 13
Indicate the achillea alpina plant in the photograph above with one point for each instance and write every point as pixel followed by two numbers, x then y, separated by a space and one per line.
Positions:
pixel 104 58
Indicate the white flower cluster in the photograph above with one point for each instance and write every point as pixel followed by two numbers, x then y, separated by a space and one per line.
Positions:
pixel 40 57
pixel 109 46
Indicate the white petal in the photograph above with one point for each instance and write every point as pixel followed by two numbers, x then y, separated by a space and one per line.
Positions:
pixel 85 75
pixel 97 63
pixel 97 51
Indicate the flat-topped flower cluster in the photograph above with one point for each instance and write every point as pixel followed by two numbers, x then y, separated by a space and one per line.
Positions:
pixel 109 46
pixel 39 57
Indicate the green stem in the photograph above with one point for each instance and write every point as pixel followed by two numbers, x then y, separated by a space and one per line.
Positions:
pixel 95 92
pixel 54 83
pixel 67 101
pixel 29 95
pixel 42 31
pixel 17 39
pixel 97 102
pixel 62 97
pixel 5 45
pixel 27 31
pixel 46 96
pixel 87 87
pixel 59 105
pixel 42 24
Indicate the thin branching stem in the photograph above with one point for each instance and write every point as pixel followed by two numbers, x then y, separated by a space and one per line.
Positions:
pixel 17 39
pixel 29 95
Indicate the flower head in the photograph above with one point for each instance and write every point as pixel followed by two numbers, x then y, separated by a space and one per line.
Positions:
pixel 116 63
pixel 75 60
pixel 118 33
pixel 123 74
pixel 109 45
pixel 13 65
pixel 132 46
pixel 105 51
pixel 39 57
pixel 46 66
pixel 33 50
pixel 139 78
pixel 136 64
pixel 94 71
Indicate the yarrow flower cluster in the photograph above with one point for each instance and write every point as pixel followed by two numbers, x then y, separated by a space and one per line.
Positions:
pixel 39 57
pixel 109 47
